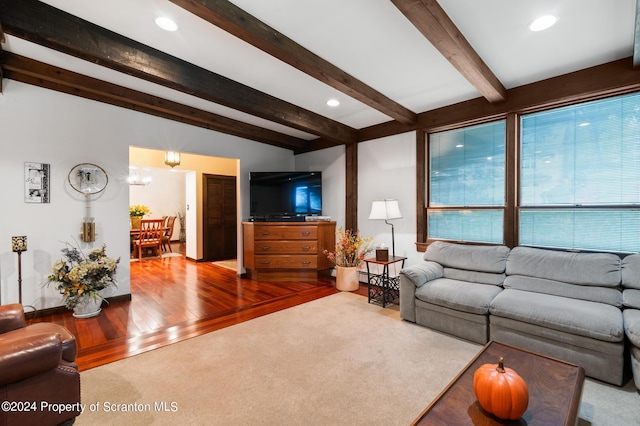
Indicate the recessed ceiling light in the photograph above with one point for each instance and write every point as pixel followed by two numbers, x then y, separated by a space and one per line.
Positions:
pixel 333 102
pixel 542 23
pixel 166 24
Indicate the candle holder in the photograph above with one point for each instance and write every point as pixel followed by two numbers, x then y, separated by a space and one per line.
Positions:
pixel 18 245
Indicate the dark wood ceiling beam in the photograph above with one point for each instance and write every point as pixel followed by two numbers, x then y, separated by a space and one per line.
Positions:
pixel 50 27
pixel 636 38
pixel 434 23
pixel 241 24
pixel 604 80
pixel 37 73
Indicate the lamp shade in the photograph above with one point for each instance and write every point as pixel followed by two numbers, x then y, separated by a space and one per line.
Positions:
pixel 19 244
pixel 385 210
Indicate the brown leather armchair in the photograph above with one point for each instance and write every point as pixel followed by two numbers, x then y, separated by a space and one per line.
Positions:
pixel 38 377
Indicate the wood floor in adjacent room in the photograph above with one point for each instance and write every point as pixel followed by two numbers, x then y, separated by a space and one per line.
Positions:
pixel 173 299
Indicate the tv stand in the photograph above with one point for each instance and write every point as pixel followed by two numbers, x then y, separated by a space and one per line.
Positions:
pixel 287 251
pixel 277 219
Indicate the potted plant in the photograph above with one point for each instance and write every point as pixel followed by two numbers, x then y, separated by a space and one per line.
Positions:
pixel 80 278
pixel 351 249
pixel 136 213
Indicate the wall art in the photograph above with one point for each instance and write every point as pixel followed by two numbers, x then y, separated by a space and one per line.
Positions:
pixel 36 182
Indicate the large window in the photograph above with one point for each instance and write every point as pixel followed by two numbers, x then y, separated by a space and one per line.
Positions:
pixel 467 184
pixel 580 176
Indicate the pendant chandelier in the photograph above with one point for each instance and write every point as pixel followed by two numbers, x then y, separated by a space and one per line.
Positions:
pixel 172 158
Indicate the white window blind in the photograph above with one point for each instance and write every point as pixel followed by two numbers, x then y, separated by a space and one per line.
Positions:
pixel 467 184
pixel 580 176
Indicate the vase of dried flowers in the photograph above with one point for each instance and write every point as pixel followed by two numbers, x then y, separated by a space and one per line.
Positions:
pixel 351 249
pixel 81 279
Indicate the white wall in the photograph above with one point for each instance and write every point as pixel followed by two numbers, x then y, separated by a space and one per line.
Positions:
pixel 165 195
pixel 38 125
pixel 331 163
pixel 386 169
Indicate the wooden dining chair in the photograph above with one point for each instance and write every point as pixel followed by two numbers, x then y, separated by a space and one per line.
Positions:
pixel 168 232
pixel 151 233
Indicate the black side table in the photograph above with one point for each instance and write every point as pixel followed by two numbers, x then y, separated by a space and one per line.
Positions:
pixel 381 287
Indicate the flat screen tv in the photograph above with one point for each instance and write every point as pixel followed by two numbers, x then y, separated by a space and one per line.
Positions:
pixel 285 195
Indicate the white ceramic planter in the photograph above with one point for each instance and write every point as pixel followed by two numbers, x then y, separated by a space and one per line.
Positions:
pixel 347 278
pixel 88 307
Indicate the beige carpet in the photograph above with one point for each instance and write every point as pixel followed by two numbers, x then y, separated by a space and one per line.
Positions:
pixel 333 361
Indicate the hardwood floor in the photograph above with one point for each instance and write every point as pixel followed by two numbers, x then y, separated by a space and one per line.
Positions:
pixel 174 299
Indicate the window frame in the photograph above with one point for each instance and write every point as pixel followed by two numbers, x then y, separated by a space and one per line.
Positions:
pixel 568 207
pixel 512 173
pixel 504 208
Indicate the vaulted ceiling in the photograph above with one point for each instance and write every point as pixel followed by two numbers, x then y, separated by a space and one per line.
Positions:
pixel 264 70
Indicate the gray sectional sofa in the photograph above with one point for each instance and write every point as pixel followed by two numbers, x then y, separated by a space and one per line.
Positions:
pixel 562 304
pixel 631 313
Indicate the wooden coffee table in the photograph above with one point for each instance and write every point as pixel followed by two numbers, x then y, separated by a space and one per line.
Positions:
pixel 555 389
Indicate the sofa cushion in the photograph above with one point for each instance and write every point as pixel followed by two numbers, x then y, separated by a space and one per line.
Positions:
pixel 594 269
pixel 474 276
pixel 631 298
pixel 631 271
pixel 479 258
pixel 423 272
pixel 632 326
pixel 581 317
pixel 459 295
pixel 610 296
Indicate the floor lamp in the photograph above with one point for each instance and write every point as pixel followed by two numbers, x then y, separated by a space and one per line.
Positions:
pixel 386 210
pixel 18 245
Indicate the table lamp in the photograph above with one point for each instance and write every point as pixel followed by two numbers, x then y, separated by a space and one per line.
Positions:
pixel 386 210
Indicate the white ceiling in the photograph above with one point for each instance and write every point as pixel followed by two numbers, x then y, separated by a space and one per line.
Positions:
pixel 369 39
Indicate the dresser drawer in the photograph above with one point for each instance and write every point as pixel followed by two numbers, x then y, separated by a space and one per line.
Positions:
pixel 263 232
pixel 283 247
pixel 286 261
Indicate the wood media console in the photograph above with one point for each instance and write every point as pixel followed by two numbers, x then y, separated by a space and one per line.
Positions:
pixel 287 250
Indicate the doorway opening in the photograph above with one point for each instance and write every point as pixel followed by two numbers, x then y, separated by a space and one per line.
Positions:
pixel 182 191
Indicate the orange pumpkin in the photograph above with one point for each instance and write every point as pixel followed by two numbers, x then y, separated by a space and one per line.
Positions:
pixel 501 391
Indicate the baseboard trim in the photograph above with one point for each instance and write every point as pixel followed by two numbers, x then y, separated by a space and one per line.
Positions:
pixel 58 310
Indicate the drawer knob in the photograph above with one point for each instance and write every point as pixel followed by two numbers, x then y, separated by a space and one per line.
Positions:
pixel 306 262
pixel 265 262
pixel 306 247
pixel 265 232
pixel 306 233
pixel 266 248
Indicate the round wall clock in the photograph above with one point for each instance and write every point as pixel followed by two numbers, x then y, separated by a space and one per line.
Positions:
pixel 88 178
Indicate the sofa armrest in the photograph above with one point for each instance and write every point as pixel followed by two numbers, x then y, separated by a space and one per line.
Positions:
pixel 412 278
pixel 11 317
pixel 23 356
pixel 423 272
